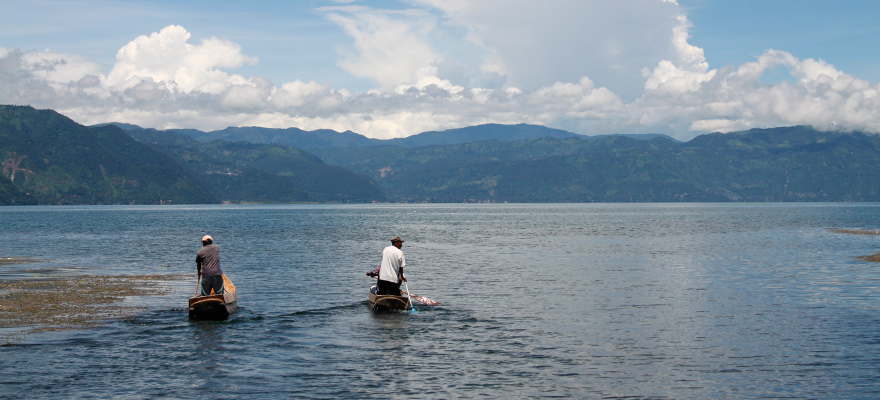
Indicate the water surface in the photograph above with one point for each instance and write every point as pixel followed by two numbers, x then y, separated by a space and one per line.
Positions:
pixel 575 301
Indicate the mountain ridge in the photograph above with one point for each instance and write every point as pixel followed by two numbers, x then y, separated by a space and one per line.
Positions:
pixel 781 164
pixel 258 172
pixel 323 138
pixel 49 159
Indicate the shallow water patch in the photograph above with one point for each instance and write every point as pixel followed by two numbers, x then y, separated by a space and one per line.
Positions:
pixel 17 260
pixel 856 231
pixel 871 258
pixel 72 302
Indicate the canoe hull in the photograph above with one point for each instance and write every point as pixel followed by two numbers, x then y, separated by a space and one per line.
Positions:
pixel 215 306
pixel 387 302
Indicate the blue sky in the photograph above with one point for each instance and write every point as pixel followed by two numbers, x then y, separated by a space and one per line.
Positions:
pixel 394 68
pixel 843 33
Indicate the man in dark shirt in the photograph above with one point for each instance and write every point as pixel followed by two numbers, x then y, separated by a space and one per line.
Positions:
pixel 208 265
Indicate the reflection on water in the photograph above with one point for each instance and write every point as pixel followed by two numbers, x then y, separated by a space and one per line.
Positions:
pixel 574 301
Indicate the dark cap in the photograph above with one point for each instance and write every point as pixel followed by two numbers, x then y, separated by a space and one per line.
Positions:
pixel 396 239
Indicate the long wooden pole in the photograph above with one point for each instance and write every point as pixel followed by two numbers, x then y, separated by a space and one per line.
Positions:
pixel 412 308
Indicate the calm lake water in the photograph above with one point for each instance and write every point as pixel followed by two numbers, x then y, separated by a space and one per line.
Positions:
pixel 678 301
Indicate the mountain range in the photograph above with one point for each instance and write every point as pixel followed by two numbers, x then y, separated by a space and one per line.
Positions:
pixel 49 159
pixel 323 138
pixel 781 164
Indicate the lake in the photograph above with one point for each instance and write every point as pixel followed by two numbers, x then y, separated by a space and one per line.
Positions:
pixel 677 301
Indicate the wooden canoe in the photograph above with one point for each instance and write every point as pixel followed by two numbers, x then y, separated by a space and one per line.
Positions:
pixel 215 306
pixel 387 302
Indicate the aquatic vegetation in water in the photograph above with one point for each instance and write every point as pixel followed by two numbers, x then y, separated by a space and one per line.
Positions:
pixel 16 260
pixel 871 258
pixel 72 302
pixel 856 232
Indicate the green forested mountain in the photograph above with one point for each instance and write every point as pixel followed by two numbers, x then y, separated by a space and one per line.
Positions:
pixel 782 164
pixel 10 194
pixel 49 159
pixel 266 173
pixel 479 133
pixel 293 137
pixel 323 138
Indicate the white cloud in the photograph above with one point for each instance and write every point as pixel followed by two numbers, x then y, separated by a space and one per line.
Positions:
pixel 389 47
pixel 535 44
pixel 582 100
pixel 296 94
pixel 252 95
pixel 58 67
pixel 586 66
pixel 167 56
pixel 735 98
pixel 687 74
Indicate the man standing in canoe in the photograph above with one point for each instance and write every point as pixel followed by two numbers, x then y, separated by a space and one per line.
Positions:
pixel 391 269
pixel 208 264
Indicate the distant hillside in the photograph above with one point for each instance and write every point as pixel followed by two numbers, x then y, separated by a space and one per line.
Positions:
pixel 643 136
pixel 479 133
pixel 49 159
pixel 323 138
pixel 782 164
pixel 11 194
pixel 265 173
pixel 293 137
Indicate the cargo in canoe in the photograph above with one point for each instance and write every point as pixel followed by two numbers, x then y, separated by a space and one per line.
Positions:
pixel 387 302
pixel 215 306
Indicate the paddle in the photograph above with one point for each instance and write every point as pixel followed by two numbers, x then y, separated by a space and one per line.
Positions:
pixel 198 281
pixel 412 308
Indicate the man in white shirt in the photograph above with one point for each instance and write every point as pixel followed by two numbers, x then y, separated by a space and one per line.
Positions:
pixel 391 269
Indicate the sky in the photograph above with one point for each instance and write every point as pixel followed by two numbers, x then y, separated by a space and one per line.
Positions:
pixel 395 68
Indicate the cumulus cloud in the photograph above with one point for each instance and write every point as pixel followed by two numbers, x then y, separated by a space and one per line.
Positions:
pixel 58 67
pixel 296 94
pixel 590 67
pixel 688 73
pixel 735 99
pixel 535 44
pixel 390 47
pixel 167 56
